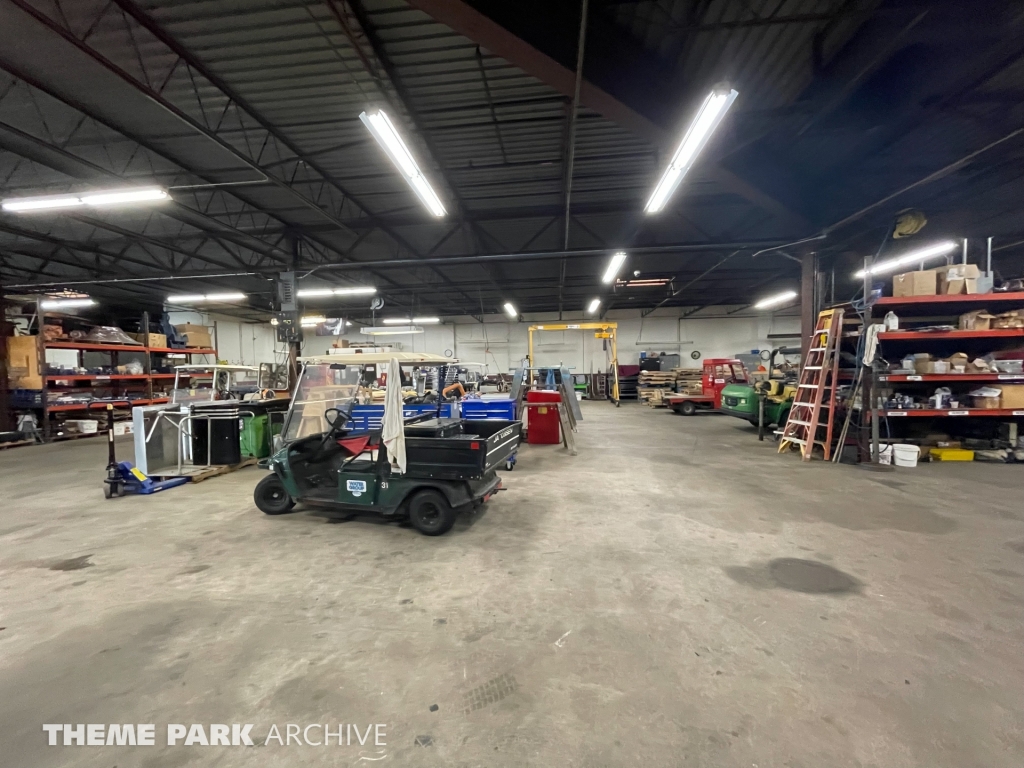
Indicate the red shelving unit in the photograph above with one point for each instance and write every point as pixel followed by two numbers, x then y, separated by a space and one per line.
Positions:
pixel 895 378
pixel 975 299
pixel 934 310
pixel 954 413
pixel 95 347
pixel 94 377
pixel 97 381
pixel 999 333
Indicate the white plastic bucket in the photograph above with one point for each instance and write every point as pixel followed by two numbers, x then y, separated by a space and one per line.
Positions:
pixel 885 454
pixel 906 455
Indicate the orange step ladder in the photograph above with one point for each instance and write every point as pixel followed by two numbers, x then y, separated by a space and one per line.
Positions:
pixel 813 413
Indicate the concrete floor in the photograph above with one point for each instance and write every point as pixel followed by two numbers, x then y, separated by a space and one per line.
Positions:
pixel 676 594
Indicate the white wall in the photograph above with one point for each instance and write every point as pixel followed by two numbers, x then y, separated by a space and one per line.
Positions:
pixel 501 345
pixel 236 341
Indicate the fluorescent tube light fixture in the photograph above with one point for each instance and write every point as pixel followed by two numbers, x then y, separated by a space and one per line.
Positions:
pixel 594 304
pixel 391 330
pixel 778 298
pixel 116 197
pixel 510 310
pixel 356 290
pixel 408 321
pixel 66 303
pixel 96 199
pixel 310 320
pixel 613 267
pixel 914 257
pixel 198 298
pixel 383 130
pixel 710 114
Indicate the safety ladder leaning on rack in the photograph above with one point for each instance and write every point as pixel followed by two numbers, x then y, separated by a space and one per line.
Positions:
pixel 813 412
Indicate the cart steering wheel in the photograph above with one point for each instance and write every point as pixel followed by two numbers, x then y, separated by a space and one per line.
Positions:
pixel 334 425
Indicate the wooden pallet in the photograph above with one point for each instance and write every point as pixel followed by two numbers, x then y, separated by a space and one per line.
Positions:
pixel 205 473
pixel 654 397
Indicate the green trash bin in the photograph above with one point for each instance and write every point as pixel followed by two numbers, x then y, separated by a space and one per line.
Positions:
pixel 255 437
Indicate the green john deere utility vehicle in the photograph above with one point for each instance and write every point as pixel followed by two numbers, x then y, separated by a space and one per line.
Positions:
pixel 778 391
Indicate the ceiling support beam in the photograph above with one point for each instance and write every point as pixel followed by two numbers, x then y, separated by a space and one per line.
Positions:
pixel 570 144
pixel 470 23
pixel 389 81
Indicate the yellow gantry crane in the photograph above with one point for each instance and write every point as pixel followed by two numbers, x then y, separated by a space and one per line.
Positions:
pixel 602 331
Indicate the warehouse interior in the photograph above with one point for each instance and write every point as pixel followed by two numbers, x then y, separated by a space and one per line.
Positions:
pixel 596 383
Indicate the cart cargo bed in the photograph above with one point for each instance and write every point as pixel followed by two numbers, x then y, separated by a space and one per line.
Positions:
pixel 480 446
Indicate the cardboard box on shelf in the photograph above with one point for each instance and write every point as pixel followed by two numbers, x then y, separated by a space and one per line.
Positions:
pixel 196 336
pixel 987 403
pixel 921 283
pixel 978 320
pixel 1013 395
pixel 1012 319
pixel 958 362
pixel 82 426
pixel 156 340
pixel 23 362
pixel 958 278
pixel 923 363
pixel 53 332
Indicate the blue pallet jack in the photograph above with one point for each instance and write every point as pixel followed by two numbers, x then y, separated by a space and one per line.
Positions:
pixel 123 477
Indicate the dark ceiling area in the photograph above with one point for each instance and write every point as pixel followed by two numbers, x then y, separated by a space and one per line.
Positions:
pixel 849 111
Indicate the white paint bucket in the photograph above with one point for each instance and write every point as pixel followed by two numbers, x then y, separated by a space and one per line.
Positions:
pixel 906 455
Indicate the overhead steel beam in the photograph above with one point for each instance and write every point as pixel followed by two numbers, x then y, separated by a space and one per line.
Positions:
pixel 157 99
pixel 59 159
pixel 390 79
pixel 467 21
pixel 570 144
pixel 707 247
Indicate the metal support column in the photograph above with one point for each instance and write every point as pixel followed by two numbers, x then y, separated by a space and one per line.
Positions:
pixel 808 304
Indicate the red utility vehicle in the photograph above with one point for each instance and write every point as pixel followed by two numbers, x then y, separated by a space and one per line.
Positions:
pixel 718 371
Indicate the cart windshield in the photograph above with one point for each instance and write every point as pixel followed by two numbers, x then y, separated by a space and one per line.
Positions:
pixel 320 388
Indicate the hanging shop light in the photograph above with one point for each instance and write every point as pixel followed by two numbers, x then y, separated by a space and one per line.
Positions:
pixel 387 136
pixel 390 330
pixel 408 321
pixel 67 303
pixel 914 257
pixel 356 290
pixel 308 321
pixel 510 310
pixel 613 267
pixel 594 304
pixel 199 298
pixel 775 300
pixel 711 113
pixel 98 198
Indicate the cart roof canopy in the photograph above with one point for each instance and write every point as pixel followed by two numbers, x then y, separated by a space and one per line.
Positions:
pixel 368 358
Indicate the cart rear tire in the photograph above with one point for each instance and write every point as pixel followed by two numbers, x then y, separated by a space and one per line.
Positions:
pixel 687 408
pixel 430 513
pixel 108 491
pixel 271 497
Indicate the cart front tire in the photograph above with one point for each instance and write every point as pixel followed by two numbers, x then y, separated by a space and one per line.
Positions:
pixel 108 491
pixel 430 513
pixel 271 497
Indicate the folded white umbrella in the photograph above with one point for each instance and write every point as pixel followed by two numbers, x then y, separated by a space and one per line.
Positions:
pixel 393 432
